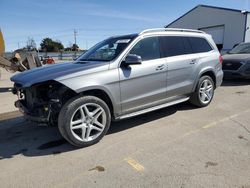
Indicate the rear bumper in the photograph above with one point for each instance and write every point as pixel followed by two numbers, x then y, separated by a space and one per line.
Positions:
pixel 219 78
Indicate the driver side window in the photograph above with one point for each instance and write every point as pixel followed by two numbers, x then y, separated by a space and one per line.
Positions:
pixel 147 48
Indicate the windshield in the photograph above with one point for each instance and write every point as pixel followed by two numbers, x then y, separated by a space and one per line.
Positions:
pixel 107 50
pixel 243 48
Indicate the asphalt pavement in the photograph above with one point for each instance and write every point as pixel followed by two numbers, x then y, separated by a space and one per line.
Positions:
pixel 179 146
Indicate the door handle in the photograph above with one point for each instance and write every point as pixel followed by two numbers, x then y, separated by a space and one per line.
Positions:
pixel 160 67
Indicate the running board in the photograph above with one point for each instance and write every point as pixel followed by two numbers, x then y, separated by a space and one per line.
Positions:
pixel 153 108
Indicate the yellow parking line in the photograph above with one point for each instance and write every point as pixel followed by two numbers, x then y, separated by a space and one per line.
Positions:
pixel 222 120
pixel 209 125
pixel 190 132
pixel 234 116
pixel 137 166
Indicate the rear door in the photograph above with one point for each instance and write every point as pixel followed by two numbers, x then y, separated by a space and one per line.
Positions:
pixel 183 58
pixel 180 62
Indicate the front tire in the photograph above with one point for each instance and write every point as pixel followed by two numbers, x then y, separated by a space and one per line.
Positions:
pixel 204 92
pixel 83 121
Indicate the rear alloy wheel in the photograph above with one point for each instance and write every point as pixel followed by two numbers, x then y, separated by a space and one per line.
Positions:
pixel 204 92
pixel 84 121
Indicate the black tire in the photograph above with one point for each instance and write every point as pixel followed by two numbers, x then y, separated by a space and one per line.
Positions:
pixel 68 111
pixel 195 98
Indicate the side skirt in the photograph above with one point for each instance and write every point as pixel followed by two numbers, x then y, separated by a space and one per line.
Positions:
pixel 152 108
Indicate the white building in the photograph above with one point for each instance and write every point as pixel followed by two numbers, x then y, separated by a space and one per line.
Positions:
pixel 227 26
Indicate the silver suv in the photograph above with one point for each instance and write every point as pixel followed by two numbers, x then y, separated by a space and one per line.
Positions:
pixel 121 77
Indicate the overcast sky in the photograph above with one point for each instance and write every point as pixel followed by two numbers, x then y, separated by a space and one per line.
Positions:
pixel 94 20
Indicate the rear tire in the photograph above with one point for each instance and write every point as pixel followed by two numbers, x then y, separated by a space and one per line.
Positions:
pixel 83 121
pixel 204 92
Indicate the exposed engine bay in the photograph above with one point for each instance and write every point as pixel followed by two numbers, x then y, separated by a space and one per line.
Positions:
pixel 42 102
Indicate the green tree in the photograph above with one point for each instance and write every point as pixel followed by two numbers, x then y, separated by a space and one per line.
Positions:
pixel 58 45
pixel 48 45
pixel 75 47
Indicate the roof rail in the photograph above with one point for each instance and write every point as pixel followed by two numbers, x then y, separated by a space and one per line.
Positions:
pixel 170 29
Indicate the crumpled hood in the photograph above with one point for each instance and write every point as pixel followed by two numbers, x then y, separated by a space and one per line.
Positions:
pixel 236 57
pixel 57 72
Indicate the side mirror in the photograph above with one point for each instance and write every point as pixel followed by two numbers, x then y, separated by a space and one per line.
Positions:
pixel 133 59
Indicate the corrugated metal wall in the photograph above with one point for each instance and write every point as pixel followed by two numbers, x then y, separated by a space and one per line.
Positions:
pixel 234 23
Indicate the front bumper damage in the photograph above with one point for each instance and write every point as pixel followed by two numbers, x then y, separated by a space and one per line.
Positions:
pixel 38 103
pixel 32 117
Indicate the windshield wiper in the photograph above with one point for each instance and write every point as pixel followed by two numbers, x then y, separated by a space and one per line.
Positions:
pixel 238 52
pixel 82 62
pixel 244 53
pixel 83 59
pixel 93 60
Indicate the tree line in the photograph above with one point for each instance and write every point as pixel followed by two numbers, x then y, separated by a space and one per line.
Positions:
pixel 49 45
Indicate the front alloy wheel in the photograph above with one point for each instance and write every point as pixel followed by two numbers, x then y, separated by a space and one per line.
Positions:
pixel 88 122
pixel 83 121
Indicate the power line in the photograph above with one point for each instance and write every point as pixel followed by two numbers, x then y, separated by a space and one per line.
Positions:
pixel 79 29
pixel 88 36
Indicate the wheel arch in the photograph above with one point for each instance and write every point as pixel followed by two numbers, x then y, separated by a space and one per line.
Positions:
pixel 103 94
pixel 206 72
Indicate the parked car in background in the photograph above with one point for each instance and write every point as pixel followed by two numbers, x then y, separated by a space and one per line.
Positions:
pixel 121 77
pixel 236 62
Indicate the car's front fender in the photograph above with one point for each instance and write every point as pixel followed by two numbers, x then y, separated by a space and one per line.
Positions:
pixel 107 81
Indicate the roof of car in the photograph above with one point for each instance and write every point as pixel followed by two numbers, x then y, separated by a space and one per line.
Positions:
pixel 160 31
pixel 179 30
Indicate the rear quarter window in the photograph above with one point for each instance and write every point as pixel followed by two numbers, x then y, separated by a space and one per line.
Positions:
pixel 199 45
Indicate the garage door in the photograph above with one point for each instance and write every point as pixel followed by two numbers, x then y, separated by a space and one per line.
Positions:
pixel 217 33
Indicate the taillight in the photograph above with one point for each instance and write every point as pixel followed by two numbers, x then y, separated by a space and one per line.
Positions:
pixel 220 59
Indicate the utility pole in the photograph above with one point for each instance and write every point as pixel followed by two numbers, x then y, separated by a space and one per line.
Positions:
pixel 75 33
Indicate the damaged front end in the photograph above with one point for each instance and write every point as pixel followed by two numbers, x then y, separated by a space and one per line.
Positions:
pixel 42 102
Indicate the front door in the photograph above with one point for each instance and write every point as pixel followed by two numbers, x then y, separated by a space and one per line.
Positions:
pixel 143 85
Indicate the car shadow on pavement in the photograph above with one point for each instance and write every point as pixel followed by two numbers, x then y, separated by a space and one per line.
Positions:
pixel 29 139
pixel 5 89
pixel 235 82
pixel 148 117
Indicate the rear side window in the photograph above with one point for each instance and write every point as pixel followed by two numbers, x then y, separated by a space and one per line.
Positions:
pixel 147 48
pixel 199 45
pixel 174 45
